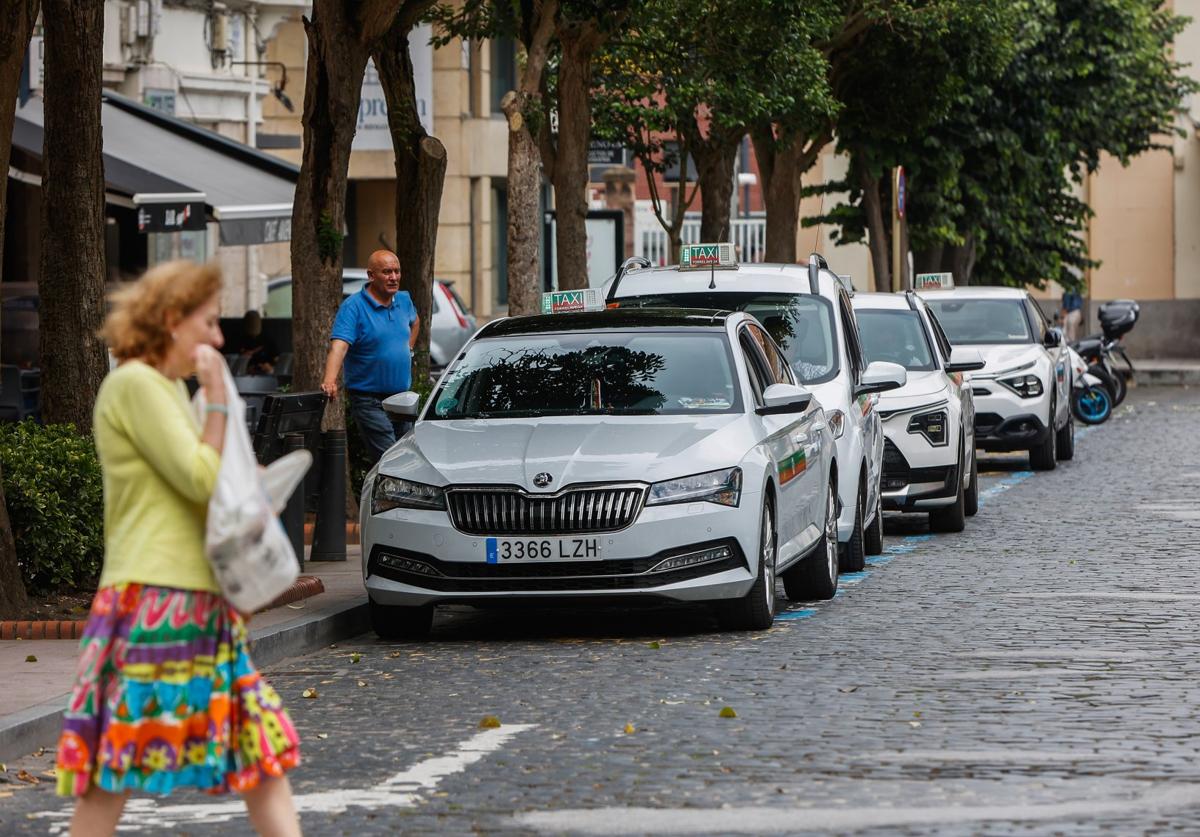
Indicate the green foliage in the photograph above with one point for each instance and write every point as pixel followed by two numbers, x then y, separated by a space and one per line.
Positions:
pixel 56 504
pixel 329 238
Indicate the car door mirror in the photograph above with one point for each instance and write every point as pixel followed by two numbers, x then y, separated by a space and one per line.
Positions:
pixel 784 398
pixel 881 376
pixel 964 360
pixel 406 404
pixel 1053 338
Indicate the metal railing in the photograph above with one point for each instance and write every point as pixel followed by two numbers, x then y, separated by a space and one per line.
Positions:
pixel 749 237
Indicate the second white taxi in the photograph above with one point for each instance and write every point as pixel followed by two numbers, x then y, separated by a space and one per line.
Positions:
pixel 929 423
pixel 645 454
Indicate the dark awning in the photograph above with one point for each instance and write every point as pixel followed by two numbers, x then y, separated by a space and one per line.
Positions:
pixel 151 157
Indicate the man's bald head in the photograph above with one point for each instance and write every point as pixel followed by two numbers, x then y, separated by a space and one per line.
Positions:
pixel 383 274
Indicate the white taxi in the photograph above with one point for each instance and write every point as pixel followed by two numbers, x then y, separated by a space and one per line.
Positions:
pixel 806 309
pixel 929 423
pixel 654 455
pixel 1023 393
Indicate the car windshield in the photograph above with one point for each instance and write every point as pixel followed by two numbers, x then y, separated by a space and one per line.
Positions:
pixel 894 336
pixel 977 321
pixel 801 324
pixel 591 373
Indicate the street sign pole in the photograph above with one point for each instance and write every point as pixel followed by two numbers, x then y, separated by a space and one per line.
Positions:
pixel 898 201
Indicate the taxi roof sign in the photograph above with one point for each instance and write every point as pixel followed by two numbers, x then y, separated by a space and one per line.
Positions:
pixel 707 256
pixel 933 281
pixel 561 302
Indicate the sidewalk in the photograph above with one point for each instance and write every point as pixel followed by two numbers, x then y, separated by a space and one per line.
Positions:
pixel 1167 371
pixel 35 693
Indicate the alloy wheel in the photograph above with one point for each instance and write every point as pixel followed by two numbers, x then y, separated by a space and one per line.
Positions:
pixel 831 533
pixel 767 539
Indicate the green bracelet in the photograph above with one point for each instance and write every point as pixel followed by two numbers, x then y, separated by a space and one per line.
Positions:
pixel 216 408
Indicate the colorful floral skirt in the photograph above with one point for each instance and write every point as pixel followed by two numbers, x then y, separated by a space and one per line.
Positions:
pixel 166 696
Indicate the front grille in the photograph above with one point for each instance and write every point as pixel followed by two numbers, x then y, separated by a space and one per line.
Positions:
pixel 512 511
pixel 895 467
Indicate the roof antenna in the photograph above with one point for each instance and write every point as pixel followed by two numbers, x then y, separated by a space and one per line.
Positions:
pixel 712 278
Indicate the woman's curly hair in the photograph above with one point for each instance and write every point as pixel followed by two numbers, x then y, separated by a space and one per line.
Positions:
pixel 136 327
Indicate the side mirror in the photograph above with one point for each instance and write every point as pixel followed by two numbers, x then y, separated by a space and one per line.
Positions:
pixel 1053 338
pixel 881 376
pixel 784 398
pixel 964 360
pixel 406 404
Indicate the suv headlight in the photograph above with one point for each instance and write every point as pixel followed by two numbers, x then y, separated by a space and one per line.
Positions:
pixel 394 493
pixel 721 487
pixel 837 423
pixel 930 425
pixel 1026 386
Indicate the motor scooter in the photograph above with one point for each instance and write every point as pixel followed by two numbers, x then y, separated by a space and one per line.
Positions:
pixel 1090 399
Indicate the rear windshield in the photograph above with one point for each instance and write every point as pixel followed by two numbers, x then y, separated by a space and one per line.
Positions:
pixel 979 321
pixel 801 324
pixel 896 337
pixel 590 373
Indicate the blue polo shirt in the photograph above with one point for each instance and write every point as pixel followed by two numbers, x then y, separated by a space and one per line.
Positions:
pixel 379 359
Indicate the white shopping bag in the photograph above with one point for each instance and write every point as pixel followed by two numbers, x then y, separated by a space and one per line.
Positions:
pixel 250 553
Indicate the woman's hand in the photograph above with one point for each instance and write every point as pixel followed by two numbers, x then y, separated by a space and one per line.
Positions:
pixel 210 372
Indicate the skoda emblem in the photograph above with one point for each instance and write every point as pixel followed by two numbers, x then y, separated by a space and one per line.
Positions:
pixel 542 480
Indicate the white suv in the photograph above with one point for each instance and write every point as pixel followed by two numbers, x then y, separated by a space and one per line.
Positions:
pixel 1023 393
pixel 807 311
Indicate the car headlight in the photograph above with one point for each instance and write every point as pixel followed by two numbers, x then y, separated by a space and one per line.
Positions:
pixel 721 487
pixel 930 425
pixel 393 493
pixel 837 423
pixel 1026 386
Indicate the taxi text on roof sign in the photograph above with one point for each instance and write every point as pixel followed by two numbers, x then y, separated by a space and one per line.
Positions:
pixel 696 256
pixel 930 281
pixel 560 302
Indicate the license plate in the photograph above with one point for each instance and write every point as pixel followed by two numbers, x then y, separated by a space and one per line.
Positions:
pixel 518 550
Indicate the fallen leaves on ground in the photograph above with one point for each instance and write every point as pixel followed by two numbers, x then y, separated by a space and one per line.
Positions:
pixel 362 683
pixel 654 646
pixel 322 735
pixel 489 722
pixel 630 729
pixel 26 776
pixel 727 712
pixel 355 657
pixel 309 694
pixel 31 659
pixel 847 689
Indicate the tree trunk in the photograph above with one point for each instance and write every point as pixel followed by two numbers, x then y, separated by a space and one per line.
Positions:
pixel 960 260
pixel 929 260
pixel 523 112
pixel 337 61
pixel 570 172
pixel 715 160
pixel 782 170
pixel 877 232
pixel 16 25
pixel 71 285
pixel 420 173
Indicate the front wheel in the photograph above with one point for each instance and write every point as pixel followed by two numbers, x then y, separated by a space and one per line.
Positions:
pixel 971 496
pixel 397 622
pixel 852 558
pixel 755 611
pixel 1092 405
pixel 952 518
pixel 1043 457
pixel 1066 440
pixel 873 537
pixel 816 576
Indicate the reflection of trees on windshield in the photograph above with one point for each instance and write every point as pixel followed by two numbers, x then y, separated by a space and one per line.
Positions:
pixel 597 379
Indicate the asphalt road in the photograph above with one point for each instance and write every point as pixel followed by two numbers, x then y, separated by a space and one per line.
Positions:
pixel 1034 675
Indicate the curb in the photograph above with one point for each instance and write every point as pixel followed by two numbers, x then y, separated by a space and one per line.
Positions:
pixel 38 726
pixel 302 588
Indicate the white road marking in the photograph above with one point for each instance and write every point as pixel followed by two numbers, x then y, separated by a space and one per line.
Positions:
pixel 400 791
pixel 790 820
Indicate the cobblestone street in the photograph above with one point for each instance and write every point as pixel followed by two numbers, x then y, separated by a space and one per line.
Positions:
pixel 1034 674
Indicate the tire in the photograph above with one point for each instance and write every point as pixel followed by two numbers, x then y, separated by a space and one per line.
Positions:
pixel 971 496
pixel 1092 405
pixel 873 537
pixel 952 518
pixel 1042 457
pixel 852 558
pixel 755 611
pixel 1106 379
pixel 1122 387
pixel 1065 443
pixel 816 576
pixel 394 622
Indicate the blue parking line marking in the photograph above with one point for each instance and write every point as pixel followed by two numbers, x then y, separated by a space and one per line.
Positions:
pixel 493 551
pixel 795 614
pixel 852 578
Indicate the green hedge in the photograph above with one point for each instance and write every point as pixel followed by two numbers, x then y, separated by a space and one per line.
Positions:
pixel 55 503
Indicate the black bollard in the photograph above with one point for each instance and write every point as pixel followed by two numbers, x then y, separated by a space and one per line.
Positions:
pixel 293 513
pixel 329 536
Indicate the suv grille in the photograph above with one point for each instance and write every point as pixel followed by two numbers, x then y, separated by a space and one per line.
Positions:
pixel 511 511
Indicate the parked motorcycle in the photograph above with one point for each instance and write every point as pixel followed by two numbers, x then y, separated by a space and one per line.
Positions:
pixel 1090 400
pixel 1101 350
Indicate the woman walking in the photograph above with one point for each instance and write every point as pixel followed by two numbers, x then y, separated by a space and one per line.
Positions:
pixel 165 694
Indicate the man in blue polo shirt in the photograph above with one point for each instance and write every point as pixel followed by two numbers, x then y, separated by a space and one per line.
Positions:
pixel 373 335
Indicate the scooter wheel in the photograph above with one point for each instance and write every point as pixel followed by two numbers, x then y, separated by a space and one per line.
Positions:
pixel 1092 405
